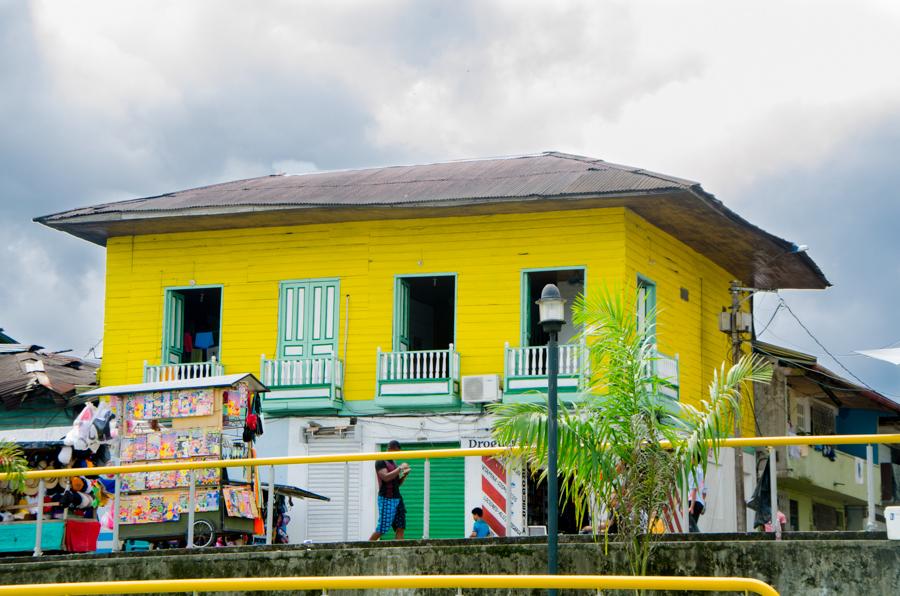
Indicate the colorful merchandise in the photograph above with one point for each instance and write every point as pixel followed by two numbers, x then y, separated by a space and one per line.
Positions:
pixel 240 502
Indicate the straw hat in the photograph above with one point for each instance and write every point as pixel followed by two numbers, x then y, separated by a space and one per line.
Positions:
pixel 31 486
pixel 48 482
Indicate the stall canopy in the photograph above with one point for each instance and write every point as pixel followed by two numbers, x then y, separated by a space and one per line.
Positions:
pixel 219 381
pixel 891 355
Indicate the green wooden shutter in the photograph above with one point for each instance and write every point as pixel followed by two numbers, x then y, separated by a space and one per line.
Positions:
pixel 308 318
pixel 401 316
pixel 174 327
pixel 322 321
pixel 447 494
pixel 292 316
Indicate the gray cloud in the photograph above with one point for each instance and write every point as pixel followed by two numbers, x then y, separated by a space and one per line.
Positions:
pixel 791 124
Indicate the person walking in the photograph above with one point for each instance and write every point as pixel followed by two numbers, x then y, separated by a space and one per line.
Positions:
pixel 391 511
pixel 696 498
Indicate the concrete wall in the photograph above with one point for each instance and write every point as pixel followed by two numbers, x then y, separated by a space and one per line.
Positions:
pixel 798 567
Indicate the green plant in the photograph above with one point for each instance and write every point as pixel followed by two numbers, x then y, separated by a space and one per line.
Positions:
pixel 626 447
pixel 13 462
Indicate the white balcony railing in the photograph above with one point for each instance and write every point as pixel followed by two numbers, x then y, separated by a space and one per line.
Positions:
pixel 531 361
pixel 526 368
pixel 667 368
pixel 433 374
pixel 156 373
pixel 420 365
pixel 279 373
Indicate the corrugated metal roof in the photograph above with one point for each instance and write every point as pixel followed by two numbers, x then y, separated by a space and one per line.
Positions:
pixel 25 373
pixel 547 174
pixel 543 182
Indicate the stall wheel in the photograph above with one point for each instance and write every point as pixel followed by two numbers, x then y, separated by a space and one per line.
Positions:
pixel 204 533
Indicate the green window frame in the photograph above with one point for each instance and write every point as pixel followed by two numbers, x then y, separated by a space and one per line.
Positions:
pixel 173 321
pixel 525 301
pixel 646 304
pixel 308 316
pixel 401 340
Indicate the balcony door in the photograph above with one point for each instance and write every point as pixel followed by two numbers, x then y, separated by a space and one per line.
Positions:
pixel 424 312
pixel 570 282
pixel 192 324
pixel 308 318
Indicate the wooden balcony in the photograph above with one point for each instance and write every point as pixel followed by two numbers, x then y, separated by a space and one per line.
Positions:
pixel 525 375
pixel 302 384
pixel 425 378
pixel 156 373
pixel 667 369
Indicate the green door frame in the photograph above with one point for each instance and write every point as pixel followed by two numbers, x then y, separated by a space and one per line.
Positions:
pixel 525 297
pixel 166 314
pixel 395 340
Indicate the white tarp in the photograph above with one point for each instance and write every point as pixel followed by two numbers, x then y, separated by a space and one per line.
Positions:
pixel 891 355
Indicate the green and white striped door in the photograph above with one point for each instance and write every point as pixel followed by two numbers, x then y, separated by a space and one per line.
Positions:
pixel 308 318
pixel 447 497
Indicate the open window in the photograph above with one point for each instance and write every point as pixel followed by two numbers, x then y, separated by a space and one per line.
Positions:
pixel 193 322
pixel 570 283
pixel 424 312
pixel 646 305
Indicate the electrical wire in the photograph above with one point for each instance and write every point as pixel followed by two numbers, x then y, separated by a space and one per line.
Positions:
pixel 772 318
pixel 821 345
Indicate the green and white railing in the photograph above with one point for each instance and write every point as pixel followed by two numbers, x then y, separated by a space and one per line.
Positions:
pixel 157 373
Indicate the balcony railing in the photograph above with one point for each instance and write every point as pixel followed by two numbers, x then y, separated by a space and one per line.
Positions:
pixel 418 373
pixel 302 383
pixel 667 368
pixel 526 368
pixel 156 373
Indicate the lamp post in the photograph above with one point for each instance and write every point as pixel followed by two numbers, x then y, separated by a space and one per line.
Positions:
pixel 552 312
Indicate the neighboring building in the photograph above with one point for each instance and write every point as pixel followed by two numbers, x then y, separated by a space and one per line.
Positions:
pixel 37 389
pixel 824 488
pixel 368 300
pixel 5 339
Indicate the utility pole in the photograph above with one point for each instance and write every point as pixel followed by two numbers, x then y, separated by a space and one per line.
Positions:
pixel 740 503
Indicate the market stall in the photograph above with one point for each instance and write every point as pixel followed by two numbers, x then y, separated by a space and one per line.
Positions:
pixel 192 420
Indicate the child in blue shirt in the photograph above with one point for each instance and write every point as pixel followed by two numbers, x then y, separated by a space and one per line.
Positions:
pixel 480 529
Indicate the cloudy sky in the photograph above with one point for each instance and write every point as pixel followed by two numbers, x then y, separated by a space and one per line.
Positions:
pixel 788 111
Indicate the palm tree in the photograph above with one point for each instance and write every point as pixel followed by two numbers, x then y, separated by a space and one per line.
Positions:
pixel 625 447
pixel 13 462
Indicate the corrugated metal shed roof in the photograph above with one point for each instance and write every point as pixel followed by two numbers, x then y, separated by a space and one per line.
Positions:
pixel 544 182
pixel 25 373
pixel 547 174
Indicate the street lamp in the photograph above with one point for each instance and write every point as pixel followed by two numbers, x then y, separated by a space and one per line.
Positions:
pixel 552 315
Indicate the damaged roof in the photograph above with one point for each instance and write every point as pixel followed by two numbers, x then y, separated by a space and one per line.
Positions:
pixel 548 181
pixel 27 372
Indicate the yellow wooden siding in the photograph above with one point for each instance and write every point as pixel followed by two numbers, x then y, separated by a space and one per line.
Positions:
pixel 487 253
pixel 688 328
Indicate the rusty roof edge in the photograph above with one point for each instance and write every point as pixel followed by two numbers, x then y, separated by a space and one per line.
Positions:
pixel 788 246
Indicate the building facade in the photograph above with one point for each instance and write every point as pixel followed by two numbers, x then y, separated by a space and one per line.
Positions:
pixel 823 488
pixel 393 303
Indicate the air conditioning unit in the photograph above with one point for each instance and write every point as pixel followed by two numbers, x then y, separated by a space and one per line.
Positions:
pixel 479 389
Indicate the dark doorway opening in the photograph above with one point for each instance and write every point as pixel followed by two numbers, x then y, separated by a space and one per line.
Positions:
pixel 570 283
pixel 193 328
pixel 537 507
pixel 426 312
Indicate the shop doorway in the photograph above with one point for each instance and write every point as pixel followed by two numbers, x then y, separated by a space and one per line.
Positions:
pixel 570 283
pixel 536 515
pixel 424 313
pixel 192 327
pixel 447 506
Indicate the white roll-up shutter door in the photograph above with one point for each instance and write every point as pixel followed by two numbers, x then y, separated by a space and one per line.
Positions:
pixel 325 520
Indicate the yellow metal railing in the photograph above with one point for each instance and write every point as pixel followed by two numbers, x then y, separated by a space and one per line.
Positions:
pixel 255 584
pixel 427 455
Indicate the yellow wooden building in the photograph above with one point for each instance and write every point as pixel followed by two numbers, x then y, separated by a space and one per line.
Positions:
pixel 383 289
pixel 393 303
